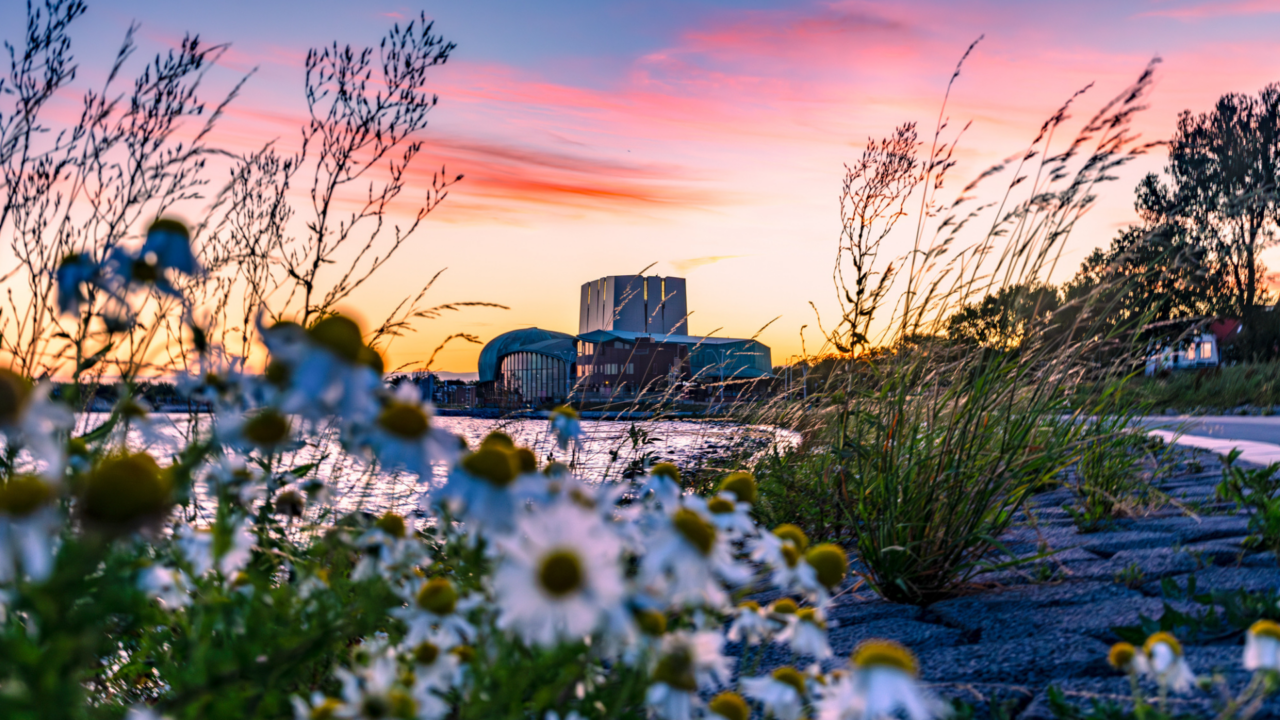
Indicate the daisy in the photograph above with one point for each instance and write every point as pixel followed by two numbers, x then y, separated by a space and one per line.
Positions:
pixel 168 246
pixel 742 485
pixel 662 484
pixel 1125 657
pixel 483 490
pixel 433 611
pixel 729 515
pixel 882 685
pixel 317 707
pixel 75 271
pixel 167 585
pixel 689 557
pixel 782 692
pixel 435 671
pixel 806 633
pixel 751 624
pixel 29 525
pixel 33 420
pixel 375 693
pixel 328 369
pixel 267 430
pixel 206 551
pixel 403 437
pixel 566 425
pixel 390 548
pixel 1166 664
pixel 559 577
pixel 687 661
pixel 1262 646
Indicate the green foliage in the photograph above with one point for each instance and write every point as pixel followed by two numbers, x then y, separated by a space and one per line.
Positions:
pixel 1006 318
pixel 1214 389
pixel 1221 615
pixel 1256 490
pixel 1111 479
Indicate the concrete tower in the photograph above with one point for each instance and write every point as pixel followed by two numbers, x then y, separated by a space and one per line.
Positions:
pixel 632 303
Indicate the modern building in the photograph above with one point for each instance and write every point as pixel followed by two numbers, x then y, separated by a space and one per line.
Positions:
pixel 632 339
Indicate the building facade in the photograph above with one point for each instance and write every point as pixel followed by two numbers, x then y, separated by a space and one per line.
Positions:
pixel 632 339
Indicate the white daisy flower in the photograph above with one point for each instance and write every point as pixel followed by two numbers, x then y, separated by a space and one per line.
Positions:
pixel 687 662
pixel 403 437
pixel 169 586
pixel 206 551
pixel 729 515
pixel 375 693
pixel 29 525
pixel 689 557
pixel 1262 646
pixel 559 577
pixel 267 430
pixel 751 625
pixel 316 707
pixel 168 246
pixel 435 671
pixel 31 419
pixel 390 548
pixel 75 271
pixel 136 415
pixel 1165 663
pixel 329 369
pixel 806 633
pixel 662 485
pixel 782 692
pixel 485 489
pixel 435 612
pixel 566 426
pixel 1125 657
pixel 728 705
pixel 882 684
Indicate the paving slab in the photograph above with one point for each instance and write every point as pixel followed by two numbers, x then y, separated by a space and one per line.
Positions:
pixel 1192 529
pixel 1030 661
pixel 911 633
pixel 1107 544
pixel 1250 579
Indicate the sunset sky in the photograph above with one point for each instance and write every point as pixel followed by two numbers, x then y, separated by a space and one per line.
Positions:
pixel 706 137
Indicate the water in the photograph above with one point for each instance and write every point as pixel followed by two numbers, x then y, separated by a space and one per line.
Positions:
pixel 604 453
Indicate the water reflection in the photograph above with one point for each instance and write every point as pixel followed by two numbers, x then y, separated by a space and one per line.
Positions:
pixel 606 450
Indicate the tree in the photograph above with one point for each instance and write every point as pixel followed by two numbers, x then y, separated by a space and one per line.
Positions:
pixel 1149 276
pixel 1006 318
pixel 1224 171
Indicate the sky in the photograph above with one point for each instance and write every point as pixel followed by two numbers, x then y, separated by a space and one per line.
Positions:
pixel 703 138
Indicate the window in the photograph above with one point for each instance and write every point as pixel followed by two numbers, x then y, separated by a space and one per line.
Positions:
pixel 1206 350
pixel 631 368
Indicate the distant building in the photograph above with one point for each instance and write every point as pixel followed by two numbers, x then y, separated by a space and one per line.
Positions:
pixel 632 338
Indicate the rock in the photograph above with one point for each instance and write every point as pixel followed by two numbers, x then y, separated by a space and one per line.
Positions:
pixel 1249 579
pixel 1026 662
pixel 911 633
pixel 1149 564
pixel 1107 544
pixel 1193 530
pixel 1089 608
pixel 847 611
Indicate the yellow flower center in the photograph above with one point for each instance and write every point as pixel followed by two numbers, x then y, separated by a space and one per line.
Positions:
pixel 290 503
pixel 651 622
pixel 23 495
pixel 561 573
pixel 14 391
pixel 698 532
pixel 720 506
pixel 666 470
pixel 527 461
pixel 392 524
pixel 327 709
pixel 498 439
pixel 794 534
pixel 406 420
pixel 742 485
pixel 1266 628
pixel 565 411
pixel 555 469
pixel 277 373
pixel 438 596
pixel 1121 655
pixel 267 428
pixel 1162 638
pixel 126 488
pixel 464 653
pixel 340 336
pixel 426 653
pixel 790 555
pixel 492 464
pixel 144 271
pixel 810 616
pixel 676 669
pixel 884 653
pixel 751 605
pixel 792 677
pixel 785 606
pixel 829 563
pixel 730 706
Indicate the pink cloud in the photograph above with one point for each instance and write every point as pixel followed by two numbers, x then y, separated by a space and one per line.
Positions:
pixel 1217 9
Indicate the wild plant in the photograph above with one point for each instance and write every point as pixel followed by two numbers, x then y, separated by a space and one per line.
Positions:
pixel 1113 475
pixel 1256 490
pixel 936 444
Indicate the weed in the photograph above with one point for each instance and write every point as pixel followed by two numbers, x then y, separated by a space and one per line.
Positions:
pixel 1255 489
pixel 1222 615
pixel 1131 577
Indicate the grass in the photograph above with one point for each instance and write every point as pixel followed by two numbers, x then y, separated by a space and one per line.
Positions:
pixel 1220 389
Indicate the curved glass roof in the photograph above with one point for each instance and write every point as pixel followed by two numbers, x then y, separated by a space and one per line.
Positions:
pixel 545 342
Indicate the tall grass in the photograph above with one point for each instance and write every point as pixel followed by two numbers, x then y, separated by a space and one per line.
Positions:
pixel 1220 389
pixel 929 448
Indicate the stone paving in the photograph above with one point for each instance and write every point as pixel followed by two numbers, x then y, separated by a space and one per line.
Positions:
pixel 1049 622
